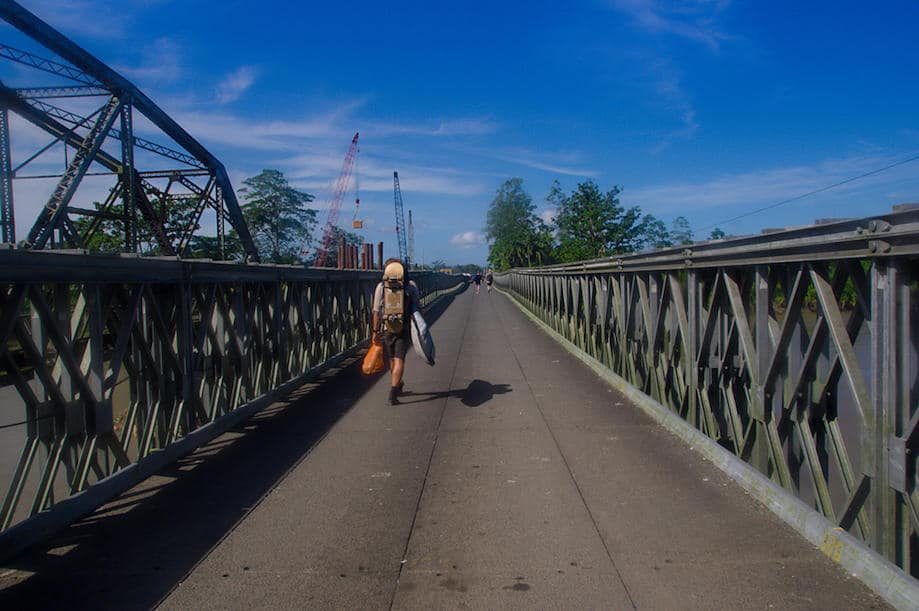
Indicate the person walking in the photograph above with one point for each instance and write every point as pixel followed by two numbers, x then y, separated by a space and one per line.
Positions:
pixel 489 280
pixel 393 299
pixel 477 280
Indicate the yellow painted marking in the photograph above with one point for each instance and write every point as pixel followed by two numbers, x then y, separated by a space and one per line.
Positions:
pixel 832 547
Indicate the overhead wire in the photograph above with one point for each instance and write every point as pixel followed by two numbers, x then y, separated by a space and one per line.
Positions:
pixel 814 192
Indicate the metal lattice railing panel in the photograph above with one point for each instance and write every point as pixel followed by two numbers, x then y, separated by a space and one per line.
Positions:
pixel 105 361
pixel 795 351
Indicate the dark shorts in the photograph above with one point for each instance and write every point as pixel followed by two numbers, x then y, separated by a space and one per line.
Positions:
pixel 396 346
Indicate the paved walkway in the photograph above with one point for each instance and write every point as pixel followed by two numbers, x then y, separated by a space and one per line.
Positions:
pixel 510 477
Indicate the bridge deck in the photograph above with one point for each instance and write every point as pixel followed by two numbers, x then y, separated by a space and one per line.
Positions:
pixel 511 476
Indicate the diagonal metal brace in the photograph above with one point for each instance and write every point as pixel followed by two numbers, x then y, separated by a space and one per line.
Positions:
pixel 56 207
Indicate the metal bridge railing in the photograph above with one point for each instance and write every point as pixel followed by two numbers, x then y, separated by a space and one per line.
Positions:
pixel 796 351
pixel 115 364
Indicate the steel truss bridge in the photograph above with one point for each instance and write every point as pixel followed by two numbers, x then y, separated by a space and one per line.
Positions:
pixel 795 351
pixel 156 191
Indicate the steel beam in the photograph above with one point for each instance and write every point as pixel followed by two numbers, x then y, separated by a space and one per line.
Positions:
pixel 7 216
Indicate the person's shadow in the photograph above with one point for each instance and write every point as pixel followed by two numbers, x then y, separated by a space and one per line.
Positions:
pixel 474 395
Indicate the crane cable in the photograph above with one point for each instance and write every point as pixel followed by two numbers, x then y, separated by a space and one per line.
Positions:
pixel 357 185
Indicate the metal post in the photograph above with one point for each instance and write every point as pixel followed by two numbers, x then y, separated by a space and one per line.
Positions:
pixel 221 223
pixel 905 346
pixel 279 341
pixel 877 430
pixel 185 339
pixel 762 397
pixel 7 220
pixel 694 318
pixel 127 177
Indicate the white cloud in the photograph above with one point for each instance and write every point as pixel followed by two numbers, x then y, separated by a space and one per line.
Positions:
pixel 241 133
pixel 161 62
pixel 664 80
pixel 83 18
pixel 468 239
pixel 557 163
pixel 235 84
pixel 548 215
pixel 455 127
pixel 335 125
pixel 746 191
pixel 436 184
pixel 411 186
pixel 317 172
pixel 692 20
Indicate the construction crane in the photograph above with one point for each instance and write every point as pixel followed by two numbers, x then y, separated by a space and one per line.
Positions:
pixel 341 186
pixel 357 222
pixel 400 221
pixel 411 237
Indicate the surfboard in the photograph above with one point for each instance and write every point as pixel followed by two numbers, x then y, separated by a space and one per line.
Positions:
pixel 422 341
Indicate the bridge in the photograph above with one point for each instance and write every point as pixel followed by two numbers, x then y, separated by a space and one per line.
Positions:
pixel 656 430
pixel 715 425
pixel 510 475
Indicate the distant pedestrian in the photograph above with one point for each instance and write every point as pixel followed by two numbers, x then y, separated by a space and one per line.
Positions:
pixel 489 280
pixel 477 280
pixel 393 300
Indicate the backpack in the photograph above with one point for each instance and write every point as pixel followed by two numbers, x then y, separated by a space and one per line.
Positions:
pixel 394 299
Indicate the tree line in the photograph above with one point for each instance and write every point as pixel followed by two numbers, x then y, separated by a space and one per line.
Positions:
pixel 588 224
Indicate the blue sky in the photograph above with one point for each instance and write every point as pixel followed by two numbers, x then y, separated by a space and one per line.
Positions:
pixel 706 109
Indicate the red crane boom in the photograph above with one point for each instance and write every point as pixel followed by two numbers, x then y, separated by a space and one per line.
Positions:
pixel 341 186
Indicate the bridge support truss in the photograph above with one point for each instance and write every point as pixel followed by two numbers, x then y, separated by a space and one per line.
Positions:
pixel 111 366
pixel 796 351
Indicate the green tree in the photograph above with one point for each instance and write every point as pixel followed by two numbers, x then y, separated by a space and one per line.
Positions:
pixel 680 232
pixel 208 247
pixel 103 233
pixel 467 268
pixel 717 234
pixel 653 233
pixel 593 224
pixel 518 238
pixel 106 232
pixel 277 216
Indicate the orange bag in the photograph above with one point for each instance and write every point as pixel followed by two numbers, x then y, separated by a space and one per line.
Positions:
pixel 373 360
